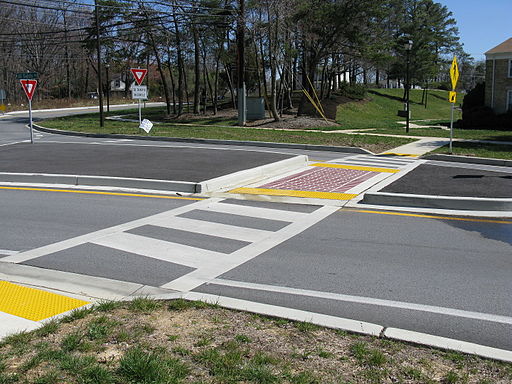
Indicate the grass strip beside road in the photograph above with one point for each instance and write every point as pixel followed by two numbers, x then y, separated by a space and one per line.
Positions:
pixel 469 134
pixel 147 341
pixel 495 151
pixel 89 123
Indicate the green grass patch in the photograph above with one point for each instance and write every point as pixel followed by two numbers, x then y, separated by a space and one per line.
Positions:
pixel 380 110
pixel 494 151
pixel 140 366
pixel 144 304
pixel 469 134
pixel 89 123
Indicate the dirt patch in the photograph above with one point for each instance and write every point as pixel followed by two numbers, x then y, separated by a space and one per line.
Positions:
pixel 207 344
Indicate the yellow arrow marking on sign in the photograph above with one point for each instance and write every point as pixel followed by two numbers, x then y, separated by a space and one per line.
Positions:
pixel 454 72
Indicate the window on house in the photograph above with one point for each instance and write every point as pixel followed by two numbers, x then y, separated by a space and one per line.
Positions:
pixel 510 68
pixel 509 100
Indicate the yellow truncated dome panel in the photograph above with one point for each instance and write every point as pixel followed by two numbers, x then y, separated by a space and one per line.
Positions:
pixel 34 304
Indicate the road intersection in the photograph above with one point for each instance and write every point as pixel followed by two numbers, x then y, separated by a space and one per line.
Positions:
pixel 444 276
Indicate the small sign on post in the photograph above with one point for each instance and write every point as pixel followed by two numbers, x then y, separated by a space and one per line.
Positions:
pixel 137 93
pixel 27 76
pixel 29 86
pixel 454 77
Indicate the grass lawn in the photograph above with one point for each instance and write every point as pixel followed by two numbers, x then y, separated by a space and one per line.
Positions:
pixel 158 342
pixel 495 151
pixel 380 111
pixel 89 123
pixel 472 134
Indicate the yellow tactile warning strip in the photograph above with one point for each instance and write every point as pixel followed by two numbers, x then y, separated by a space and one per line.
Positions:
pixel 294 193
pixel 355 167
pixel 34 304
pixel 398 154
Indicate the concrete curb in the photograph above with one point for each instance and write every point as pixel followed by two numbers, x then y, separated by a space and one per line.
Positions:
pixel 105 289
pixel 446 343
pixel 246 176
pixel 345 324
pixel 308 147
pixel 469 159
pixel 437 202
pixel 101 181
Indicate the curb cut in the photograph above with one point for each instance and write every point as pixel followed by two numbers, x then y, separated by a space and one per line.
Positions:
pixel 308 147
pixel 438 202
pixel 469 159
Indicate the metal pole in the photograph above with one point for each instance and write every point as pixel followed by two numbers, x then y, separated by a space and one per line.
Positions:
pixel 407 87
pixel 140 114
pixel 98 49
pixel 30 119
pixel 241 64
pixel 451 130
pixel 108 88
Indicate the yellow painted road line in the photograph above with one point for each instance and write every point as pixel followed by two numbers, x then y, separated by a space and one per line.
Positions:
pixel 101 193
pixel 294 193
pixel 358 168
pixel 34 304
pixel 428 216
pixel 398 154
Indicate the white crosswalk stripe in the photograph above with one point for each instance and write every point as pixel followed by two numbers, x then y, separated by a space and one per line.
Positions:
pixel 391 162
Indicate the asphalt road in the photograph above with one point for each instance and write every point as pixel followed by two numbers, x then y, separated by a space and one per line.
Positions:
pixel 444 277
pixel 428 179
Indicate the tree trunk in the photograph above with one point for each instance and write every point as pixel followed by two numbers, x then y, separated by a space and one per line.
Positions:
pixel 196 70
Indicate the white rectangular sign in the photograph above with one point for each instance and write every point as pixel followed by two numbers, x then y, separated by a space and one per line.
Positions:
pixel 146 125
pixel 139 92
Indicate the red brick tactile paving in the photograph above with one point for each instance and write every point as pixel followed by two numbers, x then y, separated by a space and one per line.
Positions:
pixel 322 180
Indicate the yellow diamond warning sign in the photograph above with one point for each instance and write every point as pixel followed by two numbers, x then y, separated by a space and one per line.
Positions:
pixel 454 73
pixel 453 97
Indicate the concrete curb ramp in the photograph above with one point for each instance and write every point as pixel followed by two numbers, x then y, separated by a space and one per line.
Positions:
pixel 439 202
pixel 229 181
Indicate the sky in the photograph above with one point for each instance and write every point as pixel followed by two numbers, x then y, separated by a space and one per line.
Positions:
pixel 483 24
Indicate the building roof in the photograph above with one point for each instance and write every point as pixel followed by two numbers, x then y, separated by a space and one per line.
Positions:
pixel 505 47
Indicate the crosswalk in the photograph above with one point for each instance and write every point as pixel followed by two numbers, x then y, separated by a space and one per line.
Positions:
pixel 193 230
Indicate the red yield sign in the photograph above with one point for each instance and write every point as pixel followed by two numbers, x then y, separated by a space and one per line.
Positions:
pixel 29 86
pixel 139 74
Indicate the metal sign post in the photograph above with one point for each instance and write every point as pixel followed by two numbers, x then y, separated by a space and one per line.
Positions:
pixel 30 118
pixel 29 86
pixel 454 76
pixel 140 92
pixel 139 74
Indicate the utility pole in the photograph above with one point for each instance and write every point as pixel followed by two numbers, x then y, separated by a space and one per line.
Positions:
pixel 241 65
pixel 98 47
